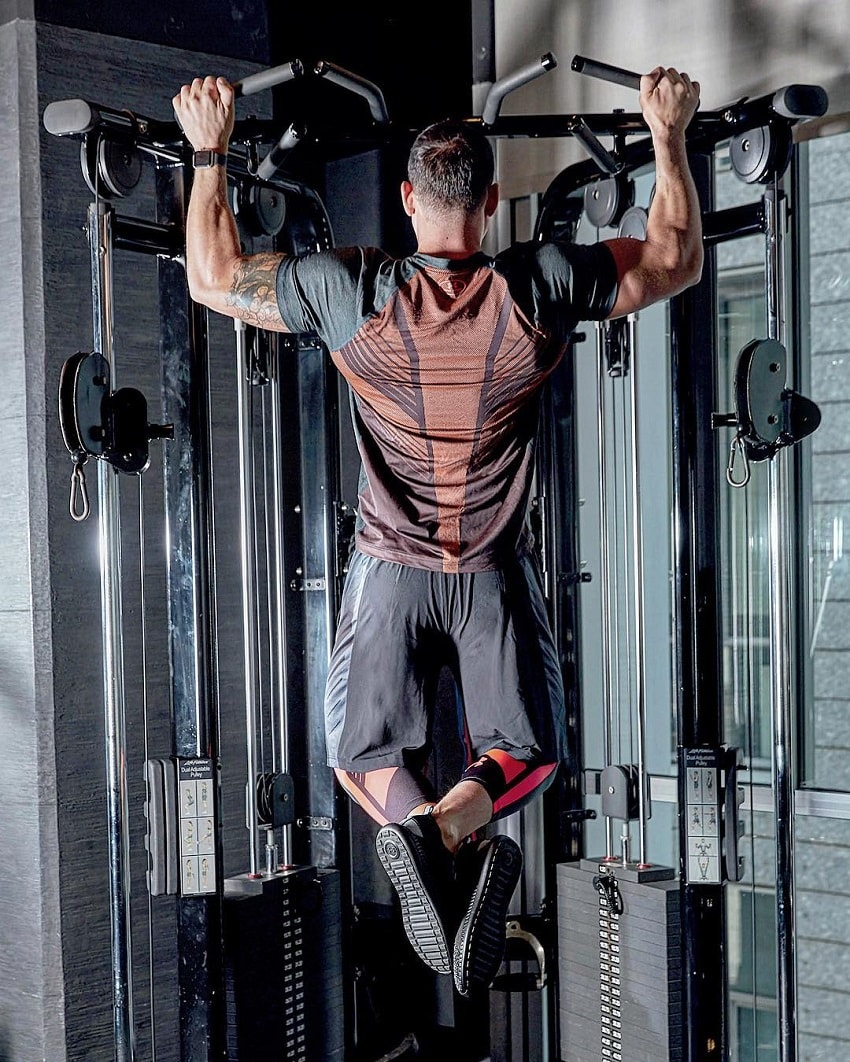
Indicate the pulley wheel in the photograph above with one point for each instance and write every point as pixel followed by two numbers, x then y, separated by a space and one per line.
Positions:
pixel 83 386
pixel 633 223
pixel 119 166
pixel 264 210
pixel 606 200
pixel 760 154
pixel 89 150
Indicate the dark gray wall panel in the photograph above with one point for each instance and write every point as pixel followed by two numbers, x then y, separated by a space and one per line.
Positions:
pixel 29 953
pixel 238 29
pixel 55 964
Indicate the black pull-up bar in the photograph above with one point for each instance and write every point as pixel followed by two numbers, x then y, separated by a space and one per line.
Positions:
pixel 791 102
pixel 275 75
pixel 606 72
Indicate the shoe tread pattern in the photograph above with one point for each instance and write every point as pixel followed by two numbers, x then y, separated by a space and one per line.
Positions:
pixel 421 920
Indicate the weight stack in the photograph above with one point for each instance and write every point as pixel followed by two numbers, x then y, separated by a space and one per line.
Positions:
pixel 620 963
pixel 283 967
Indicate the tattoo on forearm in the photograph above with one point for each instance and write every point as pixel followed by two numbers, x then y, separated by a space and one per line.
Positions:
pixel 252 292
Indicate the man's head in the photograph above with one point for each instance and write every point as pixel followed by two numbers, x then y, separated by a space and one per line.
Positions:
pixel 451 167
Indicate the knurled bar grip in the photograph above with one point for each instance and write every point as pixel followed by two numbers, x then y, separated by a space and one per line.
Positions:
pixel 275 75
pixel 616 74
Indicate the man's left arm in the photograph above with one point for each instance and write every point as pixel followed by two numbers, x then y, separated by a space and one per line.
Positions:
pixel 670 258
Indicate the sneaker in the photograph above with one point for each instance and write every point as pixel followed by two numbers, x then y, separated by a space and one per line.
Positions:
pixel 419 866
pixel 480 941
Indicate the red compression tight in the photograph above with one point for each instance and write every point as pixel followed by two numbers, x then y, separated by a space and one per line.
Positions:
pixel 390 794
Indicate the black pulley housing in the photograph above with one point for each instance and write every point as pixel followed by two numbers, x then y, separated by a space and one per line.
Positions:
pixel 767 413
pixel 97 422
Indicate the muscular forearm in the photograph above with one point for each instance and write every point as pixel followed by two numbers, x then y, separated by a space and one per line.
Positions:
pixel 212 239
pixel 674 225
pixel 219 274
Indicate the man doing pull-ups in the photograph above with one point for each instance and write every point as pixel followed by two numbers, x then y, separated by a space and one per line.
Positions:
pixel 446 353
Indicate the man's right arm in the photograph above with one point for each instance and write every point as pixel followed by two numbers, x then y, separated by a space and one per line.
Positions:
pixel 670 258
pixel 220 276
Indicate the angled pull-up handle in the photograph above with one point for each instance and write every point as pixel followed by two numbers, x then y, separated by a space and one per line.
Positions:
pixel 275 75
pixel 499 89
pixel 291 138
pixel 354 83
pixel 606 72
pixel 602 157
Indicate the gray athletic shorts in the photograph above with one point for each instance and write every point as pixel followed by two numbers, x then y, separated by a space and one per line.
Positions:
pixel 399 626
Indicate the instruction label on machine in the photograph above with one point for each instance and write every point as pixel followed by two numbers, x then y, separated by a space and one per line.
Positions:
pixel 704 786
pixel 196 782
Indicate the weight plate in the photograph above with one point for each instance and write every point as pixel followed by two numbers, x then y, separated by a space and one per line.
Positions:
pixel 633 223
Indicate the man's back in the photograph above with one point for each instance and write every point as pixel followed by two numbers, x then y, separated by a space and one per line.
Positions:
pixel 446 359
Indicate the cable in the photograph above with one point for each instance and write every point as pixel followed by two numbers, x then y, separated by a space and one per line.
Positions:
pixel 143 650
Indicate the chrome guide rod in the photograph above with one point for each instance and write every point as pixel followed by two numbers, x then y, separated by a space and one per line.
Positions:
pixel 247 520
pixel 780 640
pixel 109 545
pixel 605 581
pixel 637 591
pixel 279 559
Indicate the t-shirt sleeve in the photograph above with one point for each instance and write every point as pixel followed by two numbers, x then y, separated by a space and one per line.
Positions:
pixel 323 293
pixel 557 283
pixel 582 276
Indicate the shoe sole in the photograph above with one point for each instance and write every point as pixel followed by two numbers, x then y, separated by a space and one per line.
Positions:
pixel 480 941
pixel 419 914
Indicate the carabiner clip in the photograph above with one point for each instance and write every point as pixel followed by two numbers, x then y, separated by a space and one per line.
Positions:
pixel 737 444
pixel 78 504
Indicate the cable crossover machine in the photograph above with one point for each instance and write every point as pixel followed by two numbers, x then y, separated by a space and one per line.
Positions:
pixel 609 955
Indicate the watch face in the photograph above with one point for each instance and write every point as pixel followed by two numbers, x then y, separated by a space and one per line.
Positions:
pixel 202 159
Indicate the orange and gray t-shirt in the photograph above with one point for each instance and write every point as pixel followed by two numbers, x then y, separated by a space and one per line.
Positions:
pixel 446 360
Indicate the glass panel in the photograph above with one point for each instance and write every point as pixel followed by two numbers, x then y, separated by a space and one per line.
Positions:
pixel 743 512
pixel 826 732
pixel 617 719
pixel 751 942
pixel 744 544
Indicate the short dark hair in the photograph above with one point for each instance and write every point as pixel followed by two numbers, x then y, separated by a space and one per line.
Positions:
pixel 451 165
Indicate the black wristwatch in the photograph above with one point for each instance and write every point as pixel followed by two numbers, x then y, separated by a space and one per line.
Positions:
pixel 203 160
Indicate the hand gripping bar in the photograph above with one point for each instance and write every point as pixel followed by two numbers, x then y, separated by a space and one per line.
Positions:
pixel 792 102
pixel 499 89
